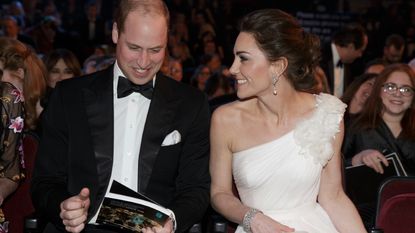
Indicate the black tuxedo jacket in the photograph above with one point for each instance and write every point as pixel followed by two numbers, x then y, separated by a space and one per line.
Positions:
pixel 76 148
pixel 99 31
pixel 326 64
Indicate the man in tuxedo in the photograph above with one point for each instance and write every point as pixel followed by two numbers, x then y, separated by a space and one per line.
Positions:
pixel 346 46
pixel 97 129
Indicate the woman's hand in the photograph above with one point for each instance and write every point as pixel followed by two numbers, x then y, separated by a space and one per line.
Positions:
pixel 371 158
pixel 264 224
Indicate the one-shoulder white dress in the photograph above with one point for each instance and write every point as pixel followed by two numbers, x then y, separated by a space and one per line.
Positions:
pixel 282 177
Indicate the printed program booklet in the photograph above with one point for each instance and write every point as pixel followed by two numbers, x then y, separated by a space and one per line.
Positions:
pixel 362 182
pixel 125 210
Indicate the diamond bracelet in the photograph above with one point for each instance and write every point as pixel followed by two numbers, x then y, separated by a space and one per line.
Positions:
pixel 246 222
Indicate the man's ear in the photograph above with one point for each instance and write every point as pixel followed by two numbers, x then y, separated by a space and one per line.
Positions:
pixel 114 33
pixel 351 46
pixel 279 66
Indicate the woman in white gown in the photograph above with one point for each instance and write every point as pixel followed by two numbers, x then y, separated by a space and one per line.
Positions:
pixel 280 144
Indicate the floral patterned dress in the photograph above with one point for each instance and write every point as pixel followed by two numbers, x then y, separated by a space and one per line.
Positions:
pixel 11 148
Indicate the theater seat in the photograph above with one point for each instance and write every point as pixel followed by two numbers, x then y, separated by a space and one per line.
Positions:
pixel 396 205
pixel 18 206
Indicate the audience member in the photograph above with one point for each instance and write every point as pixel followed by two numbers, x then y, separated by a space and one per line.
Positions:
pixel 96 63
pixel 173 68
pixel 100 128
pixel 214 62
pixel 200 77
pixel 386 124
pixel 218 85
pixel 356 96
pixel 179 29
pixel 375 66
pixel 21 87
pixel 16 10
pixel 45 34
pixel 280 144
pixel 61 64
pixel 12 30
pixel 394 49
pixel 91 26
pixel 202 24
pixel 347 45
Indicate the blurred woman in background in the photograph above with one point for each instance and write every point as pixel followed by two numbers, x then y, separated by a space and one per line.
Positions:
pixel 61 64
pixel 22 85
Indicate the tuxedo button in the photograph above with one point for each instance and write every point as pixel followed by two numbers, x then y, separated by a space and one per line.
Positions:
pixel 126 179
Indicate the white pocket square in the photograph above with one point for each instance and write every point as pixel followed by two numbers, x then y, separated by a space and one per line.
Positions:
pixel 172 138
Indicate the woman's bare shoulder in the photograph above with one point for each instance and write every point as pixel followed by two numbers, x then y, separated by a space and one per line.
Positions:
pixel 231 113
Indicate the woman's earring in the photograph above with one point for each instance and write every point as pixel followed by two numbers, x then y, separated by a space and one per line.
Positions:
pixel 274 84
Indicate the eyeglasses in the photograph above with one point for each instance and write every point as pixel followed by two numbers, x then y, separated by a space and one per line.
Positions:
pixel 391 89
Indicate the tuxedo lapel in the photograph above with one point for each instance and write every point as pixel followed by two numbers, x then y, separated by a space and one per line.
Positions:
pixel 158 124
pixel 100 113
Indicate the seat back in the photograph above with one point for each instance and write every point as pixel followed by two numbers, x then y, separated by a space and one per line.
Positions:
pixel 397 214
pixel 19 204
pixel 396 196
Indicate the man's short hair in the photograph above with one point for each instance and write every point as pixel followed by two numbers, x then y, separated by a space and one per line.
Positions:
pixel 395 40
pixel 144 6
pixel 352 33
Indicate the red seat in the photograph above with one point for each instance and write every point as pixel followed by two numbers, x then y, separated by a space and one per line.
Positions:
pixel 396 205
pixel 397 214
pixel 19 204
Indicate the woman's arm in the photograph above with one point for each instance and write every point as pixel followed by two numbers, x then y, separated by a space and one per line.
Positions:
pixel 7 186
pixel 332 197
pixel 222 198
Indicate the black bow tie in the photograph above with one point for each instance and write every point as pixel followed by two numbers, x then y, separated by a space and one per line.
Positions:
pixel 339 64
pixel 126 87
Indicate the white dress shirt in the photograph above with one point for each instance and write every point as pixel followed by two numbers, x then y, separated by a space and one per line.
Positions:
pixel 338 79
pixel 130 115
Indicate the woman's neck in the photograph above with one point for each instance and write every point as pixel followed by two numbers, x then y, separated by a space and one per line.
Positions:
pixel 282 108
pixel 393 123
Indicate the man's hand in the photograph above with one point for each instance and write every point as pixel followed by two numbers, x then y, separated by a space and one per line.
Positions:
pixel 168 228
pixel 74 211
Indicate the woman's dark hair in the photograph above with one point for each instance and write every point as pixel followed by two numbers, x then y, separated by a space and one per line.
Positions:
pixel 67 56
pixel 279 35
pixel 371 115
pixel 355 85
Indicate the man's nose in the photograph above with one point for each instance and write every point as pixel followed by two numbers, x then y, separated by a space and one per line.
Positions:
pixel 143 59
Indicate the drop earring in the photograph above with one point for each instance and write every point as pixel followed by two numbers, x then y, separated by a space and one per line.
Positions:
pixel 274 84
